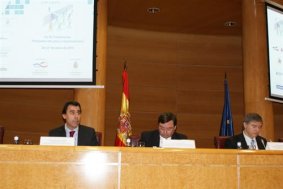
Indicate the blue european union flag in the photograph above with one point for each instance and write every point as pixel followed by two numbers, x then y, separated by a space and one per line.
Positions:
pixel 226 128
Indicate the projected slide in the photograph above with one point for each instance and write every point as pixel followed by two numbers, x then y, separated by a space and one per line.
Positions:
pixel 275 48
pixel 47 40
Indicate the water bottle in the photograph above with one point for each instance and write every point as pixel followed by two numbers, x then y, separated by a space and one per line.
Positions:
pixel 239 145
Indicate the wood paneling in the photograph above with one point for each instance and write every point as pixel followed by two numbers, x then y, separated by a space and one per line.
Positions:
pixel 26 166
pixel 278 120
pixel 180 16
pixel 174 72
pixel 31 113
pixel 268 168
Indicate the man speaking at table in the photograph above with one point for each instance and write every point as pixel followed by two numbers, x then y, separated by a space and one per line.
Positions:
pixel 83 135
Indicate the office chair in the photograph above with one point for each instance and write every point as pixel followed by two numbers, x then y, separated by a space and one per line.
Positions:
pixel 2 130
pixel 219 141
pixel 99 137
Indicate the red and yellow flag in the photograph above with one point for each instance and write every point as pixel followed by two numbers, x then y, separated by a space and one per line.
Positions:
pixel 124 129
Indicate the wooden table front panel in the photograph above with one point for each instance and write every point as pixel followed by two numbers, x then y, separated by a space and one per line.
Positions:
pixel 32 166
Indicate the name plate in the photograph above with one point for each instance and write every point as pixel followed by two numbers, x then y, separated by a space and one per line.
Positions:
pixel 178 144
pixel 57 141
pixel 274 146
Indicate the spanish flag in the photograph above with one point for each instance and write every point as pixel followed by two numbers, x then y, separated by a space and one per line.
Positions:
pixel 124 129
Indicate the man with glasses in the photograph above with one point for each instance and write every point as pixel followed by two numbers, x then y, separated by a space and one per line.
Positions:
pixel 167 125
pixel 249 138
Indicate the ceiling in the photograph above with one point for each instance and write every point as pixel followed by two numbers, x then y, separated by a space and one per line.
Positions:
pixel 181 16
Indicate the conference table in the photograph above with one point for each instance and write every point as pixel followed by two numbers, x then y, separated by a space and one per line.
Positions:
pixel 68 167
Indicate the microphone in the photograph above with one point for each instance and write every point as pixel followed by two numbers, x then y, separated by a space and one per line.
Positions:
pixel 262 141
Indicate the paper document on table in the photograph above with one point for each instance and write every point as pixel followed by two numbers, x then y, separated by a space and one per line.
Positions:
pixel 57 141
pixel 274 146
pixel 178 144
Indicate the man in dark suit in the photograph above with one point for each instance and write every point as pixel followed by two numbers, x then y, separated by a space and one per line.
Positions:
pixel 167 125
pixel 71 113
pixel 249 138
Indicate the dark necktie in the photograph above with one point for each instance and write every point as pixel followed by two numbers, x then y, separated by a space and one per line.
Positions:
pixel 72 133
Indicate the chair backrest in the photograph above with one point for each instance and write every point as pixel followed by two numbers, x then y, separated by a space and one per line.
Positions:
pixel 2 130
pixel 219 141
pixel 99 137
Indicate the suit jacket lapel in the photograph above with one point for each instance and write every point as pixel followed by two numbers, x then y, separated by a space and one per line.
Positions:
pixel 260 143
pixel 243 142
pixel 62 131
pixel 156 139
pixel 80 135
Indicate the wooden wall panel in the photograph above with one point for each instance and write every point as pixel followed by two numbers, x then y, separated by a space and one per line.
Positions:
pixel 209 50
pixel 148 99
pixel 31 113
pixel 278 120
pixel 174 72
pixel 204 78
pixel 205 102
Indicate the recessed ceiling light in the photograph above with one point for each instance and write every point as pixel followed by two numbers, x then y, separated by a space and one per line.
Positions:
pixel 230 24
pixel 153 10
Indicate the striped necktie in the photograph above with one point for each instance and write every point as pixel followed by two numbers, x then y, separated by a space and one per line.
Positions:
pixel 253 146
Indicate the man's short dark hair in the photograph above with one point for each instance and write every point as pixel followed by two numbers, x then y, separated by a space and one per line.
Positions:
pixel 252 117
pixel 166 117
pixel 67 104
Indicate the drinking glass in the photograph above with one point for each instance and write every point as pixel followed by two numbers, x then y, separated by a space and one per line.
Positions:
pixel 28 141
